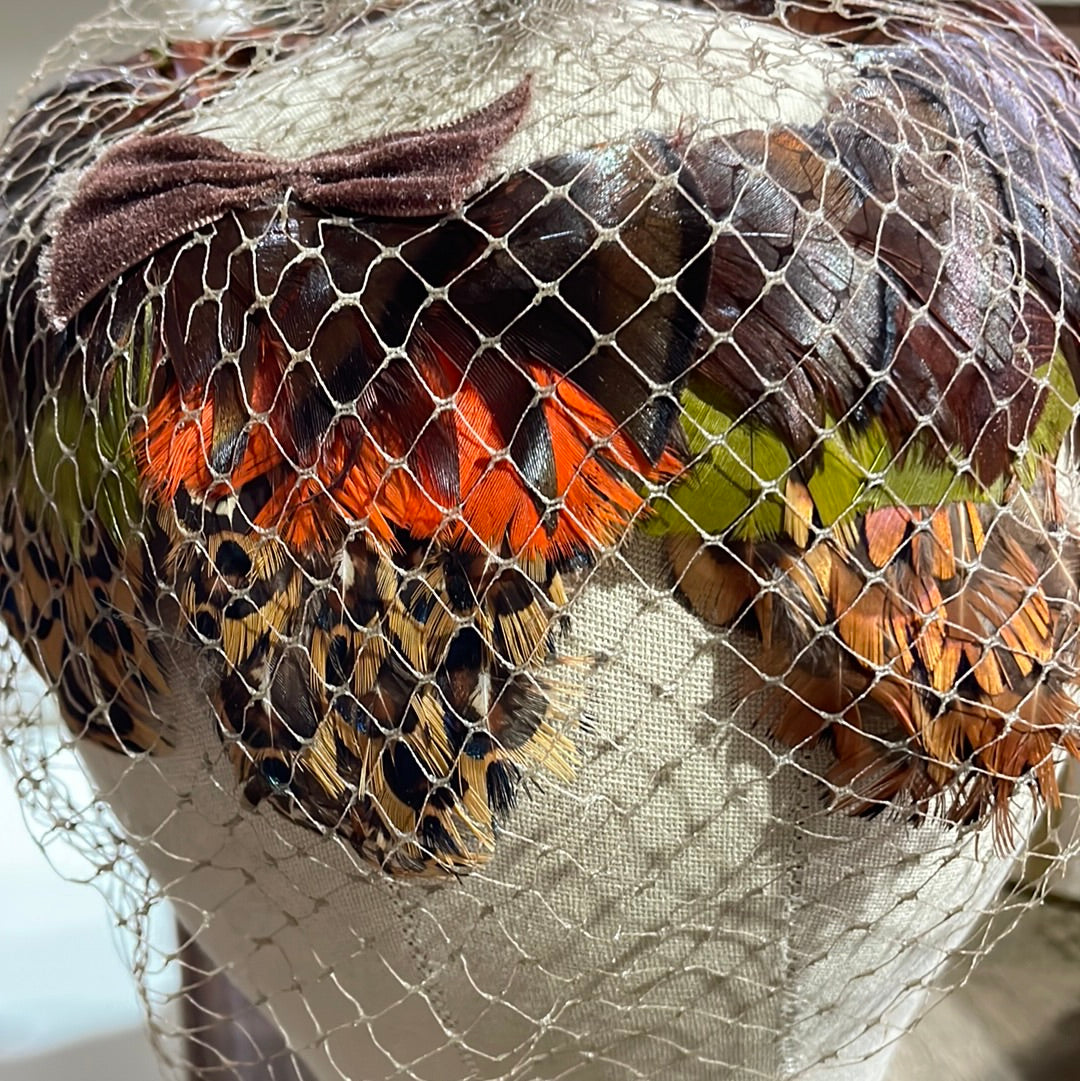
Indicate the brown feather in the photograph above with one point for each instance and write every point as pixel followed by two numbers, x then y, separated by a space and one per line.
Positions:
pixel 962 667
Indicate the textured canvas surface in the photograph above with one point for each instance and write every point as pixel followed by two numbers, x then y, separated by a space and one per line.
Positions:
pixel 596 69
pixel 691 909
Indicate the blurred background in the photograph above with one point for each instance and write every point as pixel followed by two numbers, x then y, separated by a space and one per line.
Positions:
pixel 27 30
pixel 68 1007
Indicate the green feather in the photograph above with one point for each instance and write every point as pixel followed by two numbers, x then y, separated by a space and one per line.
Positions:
pixel 738 469
pixel 82 461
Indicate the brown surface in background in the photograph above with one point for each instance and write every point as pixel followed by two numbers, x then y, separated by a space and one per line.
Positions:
pixel 227 1038
pixel 1068 19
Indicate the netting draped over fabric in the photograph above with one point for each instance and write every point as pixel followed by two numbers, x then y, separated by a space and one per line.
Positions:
pixel 549 526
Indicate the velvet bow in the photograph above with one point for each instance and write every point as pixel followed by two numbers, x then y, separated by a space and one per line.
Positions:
pixel 149 190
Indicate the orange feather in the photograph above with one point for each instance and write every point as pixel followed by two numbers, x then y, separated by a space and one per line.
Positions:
pixel 359 477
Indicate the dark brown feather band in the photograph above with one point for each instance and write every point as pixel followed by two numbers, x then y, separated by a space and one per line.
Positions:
pixel 150 190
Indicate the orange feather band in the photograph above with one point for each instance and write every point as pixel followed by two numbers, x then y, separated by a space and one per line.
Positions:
pixel 362 476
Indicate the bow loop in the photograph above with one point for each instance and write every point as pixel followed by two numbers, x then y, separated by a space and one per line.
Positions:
pixel 150 190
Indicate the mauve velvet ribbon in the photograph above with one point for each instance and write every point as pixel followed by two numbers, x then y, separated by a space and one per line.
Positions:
pixel 150 190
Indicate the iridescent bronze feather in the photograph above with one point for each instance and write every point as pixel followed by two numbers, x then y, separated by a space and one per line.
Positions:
pixel 879 424
pixel 934 649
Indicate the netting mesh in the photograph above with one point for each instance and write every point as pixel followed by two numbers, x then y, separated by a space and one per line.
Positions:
pixel 550 526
